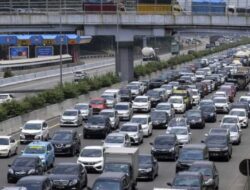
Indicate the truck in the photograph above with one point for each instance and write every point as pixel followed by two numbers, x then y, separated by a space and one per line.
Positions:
pixel 122 160
pixel 175 48
pixel 241 77
pixel 149 54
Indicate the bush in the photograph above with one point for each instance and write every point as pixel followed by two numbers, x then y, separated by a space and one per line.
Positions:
pixel 34 102
pixel 53 96
pixel 3 114
pixel 70 90
pixel 12 108
pixel 7 74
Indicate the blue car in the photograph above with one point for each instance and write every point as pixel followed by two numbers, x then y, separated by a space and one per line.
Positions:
pixel 44 150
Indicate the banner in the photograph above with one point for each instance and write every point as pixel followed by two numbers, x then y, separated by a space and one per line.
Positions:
pixel 44 51
pixel 19 52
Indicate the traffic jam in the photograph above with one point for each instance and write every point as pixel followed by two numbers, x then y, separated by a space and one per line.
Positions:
pixel 104 137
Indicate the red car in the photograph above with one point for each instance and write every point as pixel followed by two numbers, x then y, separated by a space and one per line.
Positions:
pixel 233 86
pixel 98 104
pixel 229 91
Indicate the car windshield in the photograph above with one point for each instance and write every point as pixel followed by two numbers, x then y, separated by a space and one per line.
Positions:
pixel 177 122
pixel 35 150
pixel 168 87
pixel 158 115
pixel 4 141
pixel 220 100
pixel 244 100
pixel 178 131
pixel 95 120
pixel 96 102
pixel 133 87
pixel 144 159
pixel 140 100
pixel 62 136
pixel 66 169
pixel 163 107
pixel 107 113
pixel 108 97
pixel 231 127
pixel 216 140
pixel 238 113
pixel 160 141
pixel 230 120
pixel 82 106
pixel 204 103
pixel 187 181
pixel 106 185
pixel 193 114
pixel 140 120
pixel 175 100
pixel 153 93
pixel 24 162
pixel 121 107
pixel 70 113
pixel 207 108
pixel 191 154
pixel 3 96
pixel 91 153
pixel 32 126
pixel 195 93
pixel 129 128
pixel 114 139
pixel 30 185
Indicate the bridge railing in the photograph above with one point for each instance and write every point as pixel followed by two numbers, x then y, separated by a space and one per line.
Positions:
pixel 176 7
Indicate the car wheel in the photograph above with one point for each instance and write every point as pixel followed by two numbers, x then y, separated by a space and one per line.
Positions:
pixel 227 157
pixel 141 140
pixel 73 151
pixel 152 177
pixel 10 180
pixel 9 154
pixel 16 151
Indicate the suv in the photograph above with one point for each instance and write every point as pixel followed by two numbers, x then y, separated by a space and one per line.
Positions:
pixel 36 182
pixel 97 125
pixel 195 119
pixel 141 103
pixel 221 104
pixel 124 110
pixel 209 113
pixel 167 107
pixel 66 142
pixel 125 95
pixel 146 123
pixel 98 104
pixel 113 116
pixel 159 119
pixel 178 103
pixel 134 131
pixel 71 117
pixel 34 130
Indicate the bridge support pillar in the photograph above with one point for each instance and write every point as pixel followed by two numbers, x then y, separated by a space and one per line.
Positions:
pixel 125 61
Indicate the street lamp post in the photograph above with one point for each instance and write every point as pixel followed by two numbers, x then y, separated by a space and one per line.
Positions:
pixel 60 28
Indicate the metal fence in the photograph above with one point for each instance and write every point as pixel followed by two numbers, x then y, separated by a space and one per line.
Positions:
pixel 177 7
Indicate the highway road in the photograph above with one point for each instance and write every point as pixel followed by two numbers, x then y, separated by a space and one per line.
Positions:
pixel 230 178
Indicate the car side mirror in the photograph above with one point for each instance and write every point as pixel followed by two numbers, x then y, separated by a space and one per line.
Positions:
pixel 169 184
pixel 202 141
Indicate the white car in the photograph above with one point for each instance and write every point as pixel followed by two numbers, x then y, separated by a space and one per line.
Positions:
pixel 135 89
pixel 110 99
pixel 243 116
pixel 178 103
pixel 220 94
pixel 167 107
pixel 245 99
pixel 91 157
pixel 134 131
pixel 196 96
pixel 221 104
pixel 235 133
pixel 113 117
pixel 183 134
pixel 140 84
pixel 141 103
pixel 85 109
pixel 8 146
pixel 145 121
pixel 230 119
pixel 117 140
pixel 71 117
pixel 200 75
pixel 169 88
pixel 5 98
pixel 34 130
pixel 124 110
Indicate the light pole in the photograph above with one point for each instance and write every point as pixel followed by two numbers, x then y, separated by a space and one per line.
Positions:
pixel 117 38
pixel 60 28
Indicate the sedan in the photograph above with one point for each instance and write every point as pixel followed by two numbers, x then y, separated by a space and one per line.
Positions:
pixel 195 119
pixel 183 134
pixel 112 114
pixel 148 167
pixel 234 132
pixel 242 115
pixel 141 103
pixel 159 119
pixel 208 113
pixel 145 121
pixel 85 109
pixel 134 131
pixel 8 146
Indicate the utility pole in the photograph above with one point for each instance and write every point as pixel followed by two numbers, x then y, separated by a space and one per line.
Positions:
pixel 60 28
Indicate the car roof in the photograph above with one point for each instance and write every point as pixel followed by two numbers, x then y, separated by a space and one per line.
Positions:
pixel 164 103
pixel 123 103
pixel 203 163
pixel 141 97
pixel 66 130
pixel 84 103
pixel 141 116
pixel 93 147
pixel 189 173
pixel 35 121
pixel 131 123
pixel 238 109
pixel 206 100
pixel 194 146
pixel 178 97
pixel 112 175
pixel 116 134
pixel 220 97
pixel 108 110
pixel 166 135
pixel 235 116
pixel 71 110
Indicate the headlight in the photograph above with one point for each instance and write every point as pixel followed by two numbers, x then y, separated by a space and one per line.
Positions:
pixel 152 149
pixel 43 160
pixel 11 171
pixel 135 135
pixel 200 120
pixel 22 135
pixel 148 169
pixel 31 171
pixel 67 145
pixel 99 162
pixel 209 181
pixel 225 149
pixel 73 182
pixel 171 149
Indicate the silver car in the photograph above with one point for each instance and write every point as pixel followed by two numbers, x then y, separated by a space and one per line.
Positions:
pixel 134 131
pixel 124 110
pixel 117 140
pixel 85 109
pixel 167 107
pixel 113 116
pixel 71 117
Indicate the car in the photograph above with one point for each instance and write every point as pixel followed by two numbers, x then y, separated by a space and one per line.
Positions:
pixel 141 103
pixel 24 166
pixel 202 87
pixel 125 95
pixel 67 175
pixel 44 150
pixel 159 119
pixel 92 158
pixel 188 180
pixel 146 85
pixel 154 97
pixel 165 147
pixel 230 119
pixel 112 114
pixel 209 172
pixel 8 146
pixel 80 75
pixel 242 105
pixel 146 123
pixel 186 93
pixel 98 104
pixel 112 180
pixel 135 89
pixel 6 98
pixel 219 145
pixel 195 119
pixel 178 122
pixel 220 94
pixel 134 131
pixel 168 88
pixel 175 84
pixel 117 139
pixel 206 102
pixel 115 96
pixel 124 110
pixel 71 118
pixel 196 96
pixel 229 91
pixel 190 153
pixel 66 142
pixel 85 109
pixel 140 84
pixel 163 93
pixel 242 115
pixel 97 125
pixel 183 134
pixel 208 85
pixel 245 99
pixel 110 99
pixel 167 107
pixel 35 182
pixel 221 104
pixel 178 103
pixel 155 83
pixel 148 167
pixel 209 113
pixel 234 132
pixel 34 130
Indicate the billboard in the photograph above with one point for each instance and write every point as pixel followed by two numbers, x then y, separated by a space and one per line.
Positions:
pixel 44 51
pixel 21 52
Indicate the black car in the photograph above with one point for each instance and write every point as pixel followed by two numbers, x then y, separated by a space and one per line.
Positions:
pixel 208 113
pixel 69 176
pixel 125 95
pixel 209 172
pixel 97 125
pixel 190 153
pixel 66 142
pixel 165 147
pixel 159 119
pixel 148 167
pixel 219 146
pixel 35 183
pixel 188 180
pixel 195 119
pixel 154 96
pixel 155 83
pixel 24 166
